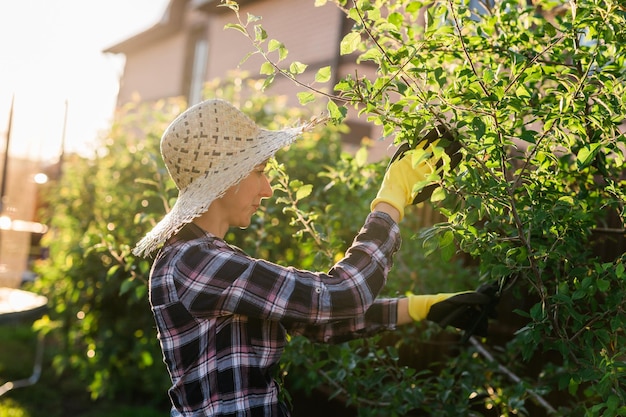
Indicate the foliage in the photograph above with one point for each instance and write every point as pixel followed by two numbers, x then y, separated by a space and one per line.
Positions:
pixel 98 289
pixel 536 94
pixel 52 395
pixel 97 293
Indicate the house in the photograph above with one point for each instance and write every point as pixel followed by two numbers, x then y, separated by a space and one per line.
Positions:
pixel 190 46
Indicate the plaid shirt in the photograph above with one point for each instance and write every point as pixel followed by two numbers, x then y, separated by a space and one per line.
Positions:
pixel 222 316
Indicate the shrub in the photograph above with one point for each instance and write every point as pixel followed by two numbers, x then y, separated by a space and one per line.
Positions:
pixel 100 312
pixel 535 91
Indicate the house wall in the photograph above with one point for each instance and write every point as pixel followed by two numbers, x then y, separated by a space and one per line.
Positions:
pixel 312 35
pixel 160 68
pixel 154 72
pixel 313 39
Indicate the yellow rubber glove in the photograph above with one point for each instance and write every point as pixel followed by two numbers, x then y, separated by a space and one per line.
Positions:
pixel 468 310
pixel 419 305
pixel 399 180
pixel 403 172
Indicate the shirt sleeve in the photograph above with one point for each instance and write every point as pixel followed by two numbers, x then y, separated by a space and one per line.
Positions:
pixel 381 316
pixel 211 281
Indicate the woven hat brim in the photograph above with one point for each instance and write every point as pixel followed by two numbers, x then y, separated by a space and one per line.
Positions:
pixel 196 198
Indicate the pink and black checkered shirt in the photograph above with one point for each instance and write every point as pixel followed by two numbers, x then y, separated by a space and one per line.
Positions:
pixel 222 317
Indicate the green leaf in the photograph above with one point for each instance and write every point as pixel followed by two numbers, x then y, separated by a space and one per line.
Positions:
pixel 586 155
pixel 245 58
pixel 305 97
pixel 268 81
pixel 295 184
pixel 430 246
pixel 446 239
pixel 231 4
pixel 419 155
pixel 361 157
pixel 365 5
pixel 529 136
pixel 438 195
pixel 522 91
pixel 353 14
pixel 350 43
pixel 267 69
pixel 282 52
pixel 572 386
pixel 479 127
pixel 253 18
pixel 236 26
pixel 146 358
pixel 603 285
pixel 260 34
pixel 297 68
pixel 447 252
pixel 127 284
pixel 488 76
pixel 112 271
pixel 396 19
pixel 372 54
pixel 304 191
pixel 273 45
pixel 413 7
pixel 323 75
pixel 337 113
pixel 613 402
pixel 537 312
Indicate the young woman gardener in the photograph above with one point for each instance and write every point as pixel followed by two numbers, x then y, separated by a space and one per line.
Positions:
pixel 222 316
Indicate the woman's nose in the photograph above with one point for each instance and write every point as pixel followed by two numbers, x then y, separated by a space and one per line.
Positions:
pixel 266 188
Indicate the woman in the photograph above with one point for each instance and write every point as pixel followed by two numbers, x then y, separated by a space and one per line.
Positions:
pixel 222 316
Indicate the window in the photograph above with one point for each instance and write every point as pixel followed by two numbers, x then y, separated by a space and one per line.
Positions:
pixel 198 69
pixel 196 62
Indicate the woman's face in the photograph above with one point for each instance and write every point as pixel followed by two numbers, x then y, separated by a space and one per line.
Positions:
pixel 241 201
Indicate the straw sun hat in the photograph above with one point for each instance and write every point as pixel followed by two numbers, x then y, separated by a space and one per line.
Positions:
pixel 207 149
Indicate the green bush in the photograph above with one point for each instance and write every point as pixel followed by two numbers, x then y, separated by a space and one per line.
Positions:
pixel 536 94
pixel 100 312
pixel 102 206
pixel 537 99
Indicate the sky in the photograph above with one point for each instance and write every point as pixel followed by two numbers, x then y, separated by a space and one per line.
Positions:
pixel 53 67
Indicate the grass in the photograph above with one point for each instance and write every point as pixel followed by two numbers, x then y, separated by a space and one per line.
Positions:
pixel 52 395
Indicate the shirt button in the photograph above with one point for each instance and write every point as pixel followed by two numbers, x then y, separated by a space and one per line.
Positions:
pixel 318 290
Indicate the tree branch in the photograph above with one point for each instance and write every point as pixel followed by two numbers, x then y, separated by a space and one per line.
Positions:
pixel 512 376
